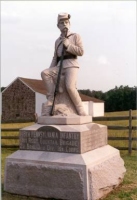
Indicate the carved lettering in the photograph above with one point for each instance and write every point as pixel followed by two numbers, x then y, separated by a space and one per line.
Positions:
pixel 49 142
pixel 32 140
pixel 69 143
pixel 67 135
pixel 50 139
pixel 60 149
pixel 72 150
pixel 50 148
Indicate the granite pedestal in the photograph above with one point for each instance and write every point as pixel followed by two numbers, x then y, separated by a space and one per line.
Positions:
pixel 63 138
pixel 69 162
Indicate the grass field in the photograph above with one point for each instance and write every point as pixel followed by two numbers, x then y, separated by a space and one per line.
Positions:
pixel 126 191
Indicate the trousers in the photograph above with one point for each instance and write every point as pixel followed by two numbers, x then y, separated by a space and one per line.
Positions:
pixel 70 74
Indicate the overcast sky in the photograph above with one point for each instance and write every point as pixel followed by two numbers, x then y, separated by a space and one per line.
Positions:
pixel 107 28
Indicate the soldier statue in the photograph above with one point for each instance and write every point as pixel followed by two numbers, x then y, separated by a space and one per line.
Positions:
pixel 72 44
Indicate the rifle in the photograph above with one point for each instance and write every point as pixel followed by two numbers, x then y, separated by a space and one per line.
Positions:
pixel 58 79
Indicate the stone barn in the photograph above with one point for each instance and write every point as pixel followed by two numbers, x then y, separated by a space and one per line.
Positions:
pixel 23 98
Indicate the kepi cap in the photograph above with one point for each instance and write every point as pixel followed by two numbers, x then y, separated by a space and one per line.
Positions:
pixel 63 16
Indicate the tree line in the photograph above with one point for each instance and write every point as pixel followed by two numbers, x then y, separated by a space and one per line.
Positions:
pixel 118 99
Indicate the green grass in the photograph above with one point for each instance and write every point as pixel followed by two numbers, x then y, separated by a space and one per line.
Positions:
pixel 16 125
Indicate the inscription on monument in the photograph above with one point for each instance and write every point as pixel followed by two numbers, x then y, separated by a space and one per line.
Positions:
pixel 94 138
pixel 50 139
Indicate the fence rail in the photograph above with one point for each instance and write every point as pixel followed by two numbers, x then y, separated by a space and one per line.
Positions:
pixel 113 118
pixel 130 128
pixel 10 129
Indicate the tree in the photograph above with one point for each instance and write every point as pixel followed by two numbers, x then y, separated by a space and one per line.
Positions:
pixel 118 99
pixel 2 88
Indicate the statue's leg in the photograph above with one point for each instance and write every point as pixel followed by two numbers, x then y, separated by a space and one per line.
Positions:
pixel 70 81
pixel 48 75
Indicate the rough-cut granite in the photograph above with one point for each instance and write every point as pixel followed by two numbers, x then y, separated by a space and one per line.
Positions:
pixel 87 176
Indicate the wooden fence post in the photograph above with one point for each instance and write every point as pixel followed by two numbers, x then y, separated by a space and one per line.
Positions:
pixel 130 133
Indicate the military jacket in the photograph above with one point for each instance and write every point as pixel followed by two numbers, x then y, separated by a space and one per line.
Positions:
pixel 75 47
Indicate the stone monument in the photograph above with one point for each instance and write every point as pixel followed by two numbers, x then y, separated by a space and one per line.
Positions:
pixel 68 161
pixel 65 156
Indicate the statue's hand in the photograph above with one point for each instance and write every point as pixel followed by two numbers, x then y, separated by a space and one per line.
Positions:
pixel 65 41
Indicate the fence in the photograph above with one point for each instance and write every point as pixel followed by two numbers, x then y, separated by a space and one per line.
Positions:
pixel 130 128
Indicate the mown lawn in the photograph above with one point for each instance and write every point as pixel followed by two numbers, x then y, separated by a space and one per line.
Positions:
pixel 126 191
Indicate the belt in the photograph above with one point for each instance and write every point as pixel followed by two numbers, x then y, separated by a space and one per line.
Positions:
pixel 67 57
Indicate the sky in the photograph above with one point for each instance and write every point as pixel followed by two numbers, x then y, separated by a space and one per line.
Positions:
pixel 108 32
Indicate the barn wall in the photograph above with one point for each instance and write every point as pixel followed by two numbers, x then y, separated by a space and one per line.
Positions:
pixel 18 103
pixel 95 109
pixel 98 109
pixel 40 99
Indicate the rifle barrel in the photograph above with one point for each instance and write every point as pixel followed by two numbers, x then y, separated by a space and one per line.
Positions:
pixel 58 78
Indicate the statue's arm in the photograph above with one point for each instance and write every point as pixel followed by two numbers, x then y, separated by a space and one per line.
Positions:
pixel 75 46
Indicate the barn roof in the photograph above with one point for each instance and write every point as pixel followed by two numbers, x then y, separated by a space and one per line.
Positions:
pixel 88 98
pixel 34 84
pixel 38 86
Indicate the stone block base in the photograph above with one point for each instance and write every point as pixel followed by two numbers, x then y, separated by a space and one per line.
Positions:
pixel 66 176
pixel 63 138
pixel 64 120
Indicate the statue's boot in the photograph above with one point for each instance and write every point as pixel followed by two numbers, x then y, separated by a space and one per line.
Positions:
pixel 74 95
pixel 80 109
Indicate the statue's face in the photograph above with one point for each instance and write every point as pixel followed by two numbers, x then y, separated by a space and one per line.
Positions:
pixel 63 24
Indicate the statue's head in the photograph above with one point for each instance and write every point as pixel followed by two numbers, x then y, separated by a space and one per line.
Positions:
pixel 63 21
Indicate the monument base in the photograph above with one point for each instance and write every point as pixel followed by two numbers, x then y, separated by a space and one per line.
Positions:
pixel 64 120
pixel 87 176
pixel 63 138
